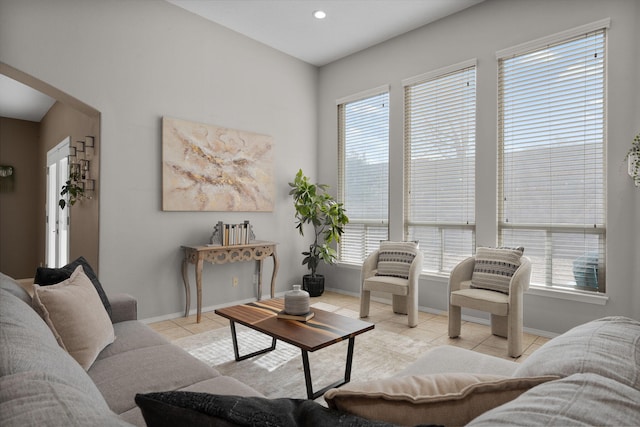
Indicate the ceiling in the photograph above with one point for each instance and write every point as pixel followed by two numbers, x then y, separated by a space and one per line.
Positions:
pixel 19 101
pixel 285 25
pixel 350 25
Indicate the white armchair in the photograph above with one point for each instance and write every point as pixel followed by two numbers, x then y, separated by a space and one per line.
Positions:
pixel 506 310
pixel 404 291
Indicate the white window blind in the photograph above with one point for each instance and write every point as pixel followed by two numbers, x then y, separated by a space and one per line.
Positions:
pixel 440 115
pixel 363 173
pixel 552 176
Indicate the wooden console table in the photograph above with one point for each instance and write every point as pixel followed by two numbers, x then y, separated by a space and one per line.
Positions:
pixel 254 251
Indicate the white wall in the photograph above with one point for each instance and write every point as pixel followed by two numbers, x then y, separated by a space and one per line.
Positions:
pixel 136 61
pixel 479 32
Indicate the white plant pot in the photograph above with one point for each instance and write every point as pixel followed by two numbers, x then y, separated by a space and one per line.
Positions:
pixel 631 162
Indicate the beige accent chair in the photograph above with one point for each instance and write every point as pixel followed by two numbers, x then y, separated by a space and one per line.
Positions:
pixel 404 291
pixel 506 310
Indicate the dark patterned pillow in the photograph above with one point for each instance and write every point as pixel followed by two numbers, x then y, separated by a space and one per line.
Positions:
pixel 494 268
pixel 51 276
pixel 395 258
pixel 183 408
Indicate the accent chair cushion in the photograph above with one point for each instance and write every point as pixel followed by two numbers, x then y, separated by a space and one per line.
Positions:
pixel 494 268
pixel 51 276
pixel 395 258
pixel 446 399
pixel 76 316
pixel 481 299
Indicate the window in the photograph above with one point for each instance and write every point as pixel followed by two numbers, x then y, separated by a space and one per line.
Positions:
pixel 440 115
pixel 551 157
pixel 363 173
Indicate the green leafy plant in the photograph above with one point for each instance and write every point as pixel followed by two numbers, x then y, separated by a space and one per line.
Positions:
pixel 73 189
pixel 315 206
pixel 634 153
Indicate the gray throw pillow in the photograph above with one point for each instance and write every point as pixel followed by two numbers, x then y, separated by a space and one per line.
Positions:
pixel 10 285
pixel 577 400
pixel 609 347
pixel 35 398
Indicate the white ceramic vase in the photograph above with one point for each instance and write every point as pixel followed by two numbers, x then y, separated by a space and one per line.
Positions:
pixel 296 302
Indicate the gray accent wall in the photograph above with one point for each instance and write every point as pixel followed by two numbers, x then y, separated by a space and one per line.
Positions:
pixel 478 32
pixel 134 62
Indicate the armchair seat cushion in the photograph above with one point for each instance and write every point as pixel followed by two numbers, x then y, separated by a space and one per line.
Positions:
pixel 394 285
pixel 479 299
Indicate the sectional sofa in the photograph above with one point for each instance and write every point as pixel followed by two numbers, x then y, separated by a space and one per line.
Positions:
pixel 41 384
pixel 588 376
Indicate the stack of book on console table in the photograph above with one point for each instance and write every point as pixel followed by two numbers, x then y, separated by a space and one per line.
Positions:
pixel 232 234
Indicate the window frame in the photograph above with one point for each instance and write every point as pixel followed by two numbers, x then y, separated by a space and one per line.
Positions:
pixel 442 226
pixel 565 291
pixel 369 223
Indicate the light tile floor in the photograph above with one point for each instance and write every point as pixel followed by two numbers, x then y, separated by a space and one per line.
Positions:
pixel 431 327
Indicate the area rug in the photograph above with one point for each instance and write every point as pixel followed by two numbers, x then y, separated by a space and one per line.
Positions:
pixel 279 373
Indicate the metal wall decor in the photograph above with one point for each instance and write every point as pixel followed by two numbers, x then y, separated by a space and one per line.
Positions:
pixel 80 157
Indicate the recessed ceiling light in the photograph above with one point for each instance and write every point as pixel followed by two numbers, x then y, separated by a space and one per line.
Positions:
pixel 319 14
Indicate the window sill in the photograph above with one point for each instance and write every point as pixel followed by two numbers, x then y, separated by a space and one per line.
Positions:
pixel 348 265
pixel 566 294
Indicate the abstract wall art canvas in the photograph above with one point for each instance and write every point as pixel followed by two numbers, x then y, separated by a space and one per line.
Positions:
pixel 212 168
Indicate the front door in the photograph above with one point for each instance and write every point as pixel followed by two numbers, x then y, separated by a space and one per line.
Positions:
pixel 57 249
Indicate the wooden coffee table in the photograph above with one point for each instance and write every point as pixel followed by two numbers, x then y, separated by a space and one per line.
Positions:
pixel 323 330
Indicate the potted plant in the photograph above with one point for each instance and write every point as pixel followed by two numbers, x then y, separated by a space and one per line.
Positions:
pixel 315 206
pixel 633 157
pixel 73 188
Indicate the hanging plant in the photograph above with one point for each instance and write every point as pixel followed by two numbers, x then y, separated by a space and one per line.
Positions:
pixel 73 188
pixel 633 159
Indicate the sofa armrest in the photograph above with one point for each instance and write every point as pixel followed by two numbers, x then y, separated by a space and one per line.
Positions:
pixel 123 307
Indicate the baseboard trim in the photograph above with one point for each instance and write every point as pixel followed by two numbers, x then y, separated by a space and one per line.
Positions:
pixel 387 301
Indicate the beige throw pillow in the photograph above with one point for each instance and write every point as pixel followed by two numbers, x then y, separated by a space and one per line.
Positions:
pixel 450 399
pixel 74 312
